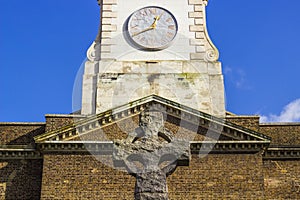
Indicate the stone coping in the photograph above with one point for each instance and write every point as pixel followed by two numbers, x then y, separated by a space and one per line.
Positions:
pixel 287 148
pixel 65 115
pixel 22 123
pixel 230 142
pixel 77 142
pixel 280 124
pixel 242 116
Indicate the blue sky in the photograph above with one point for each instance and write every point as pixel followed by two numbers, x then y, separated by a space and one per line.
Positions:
pixel 43 43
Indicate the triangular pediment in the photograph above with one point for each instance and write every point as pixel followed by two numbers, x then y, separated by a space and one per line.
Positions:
pixel 117 123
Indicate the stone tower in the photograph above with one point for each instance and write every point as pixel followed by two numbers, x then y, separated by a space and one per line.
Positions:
pixel 147 47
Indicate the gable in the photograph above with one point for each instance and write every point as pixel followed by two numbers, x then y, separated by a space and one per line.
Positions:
pixel 183 121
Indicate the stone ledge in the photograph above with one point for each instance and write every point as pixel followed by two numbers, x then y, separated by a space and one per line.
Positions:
pixel 16 152
pixel 241 116
pixel 95 147
pixel 22 123
pixel 282 153
pixel 212 147
pixel 64 116
pixel 280 124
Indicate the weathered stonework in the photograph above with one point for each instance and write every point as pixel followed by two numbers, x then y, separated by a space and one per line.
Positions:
pixel 150 153
pixel 193 83
pixel 187 72
pixel 193 41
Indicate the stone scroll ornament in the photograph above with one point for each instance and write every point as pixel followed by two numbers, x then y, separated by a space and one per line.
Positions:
pixel 151 153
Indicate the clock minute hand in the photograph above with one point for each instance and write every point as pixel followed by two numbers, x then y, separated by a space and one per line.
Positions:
pixel 147 29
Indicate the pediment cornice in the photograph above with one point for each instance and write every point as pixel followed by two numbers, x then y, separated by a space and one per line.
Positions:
pixel 228 130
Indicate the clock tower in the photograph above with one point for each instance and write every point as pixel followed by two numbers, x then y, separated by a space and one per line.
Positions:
pixel 153 47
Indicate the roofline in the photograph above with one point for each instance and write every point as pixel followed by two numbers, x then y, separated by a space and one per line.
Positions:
pixel 242 116
pixel 280 124
pixel 65 115
pixel 108 116
pixel 22 123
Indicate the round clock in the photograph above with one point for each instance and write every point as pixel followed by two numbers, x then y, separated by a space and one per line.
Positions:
pixel 152 28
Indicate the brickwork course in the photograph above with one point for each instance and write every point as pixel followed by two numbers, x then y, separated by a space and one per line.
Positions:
pixel 80 175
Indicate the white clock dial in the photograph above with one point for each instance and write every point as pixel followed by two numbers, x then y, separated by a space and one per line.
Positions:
pixel 152 28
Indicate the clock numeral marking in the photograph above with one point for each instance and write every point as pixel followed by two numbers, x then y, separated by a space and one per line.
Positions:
pixel 153 11
pixel 135 18
pixel 172 27
pixel 170 35
pixel 169 20
pixel 143 39
pixel 161 14
pixel 148 12
pixel 151 41
pixel 164 41
pixel 143 13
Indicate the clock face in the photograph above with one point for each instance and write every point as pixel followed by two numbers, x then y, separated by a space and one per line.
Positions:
pixel 152 28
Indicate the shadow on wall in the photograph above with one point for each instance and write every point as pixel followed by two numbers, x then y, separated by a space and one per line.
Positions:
pixel 20 179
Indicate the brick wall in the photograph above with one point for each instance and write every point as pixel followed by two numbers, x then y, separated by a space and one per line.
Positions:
pixel 282 134
pixel 212 177
pixel 20 179
pixel 282 179
pixel 215 177
pixel 250 122
pixel 20 133
pixel 219 177
pixel 83 177
pixel 55 122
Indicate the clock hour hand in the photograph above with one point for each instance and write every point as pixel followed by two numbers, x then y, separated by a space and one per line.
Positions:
pixel 153 26
pixel 156 18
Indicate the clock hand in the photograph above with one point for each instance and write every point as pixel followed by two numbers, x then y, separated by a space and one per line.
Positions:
pixel 160 16
pixel 152 26
pixel 147 29
pixel 156 18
